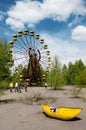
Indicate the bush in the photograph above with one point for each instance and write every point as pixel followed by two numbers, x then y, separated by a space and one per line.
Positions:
pixel 76 91
pixel 4 85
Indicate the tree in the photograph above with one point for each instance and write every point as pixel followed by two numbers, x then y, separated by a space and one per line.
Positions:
pixel 78 66
pixel 74 70
pixel 64 73
pixel 55 77
pixel 5 57
pixel 81 78
pixel 70 73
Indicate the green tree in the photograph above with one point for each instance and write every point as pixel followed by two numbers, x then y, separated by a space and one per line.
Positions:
pixel 81 78
pixel 5 57
pixel 70 73
pixel 74 70
pixel 55 77
pixel 64 73
pixel 78 66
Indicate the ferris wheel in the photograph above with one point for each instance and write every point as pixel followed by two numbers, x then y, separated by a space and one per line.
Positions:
pixel 30 51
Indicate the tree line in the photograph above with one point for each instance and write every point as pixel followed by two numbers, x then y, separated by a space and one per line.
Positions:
pixel 58 76
pixel 71 74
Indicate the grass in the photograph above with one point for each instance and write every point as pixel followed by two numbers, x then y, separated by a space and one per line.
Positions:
pixel 1 92
pixel 33 99
pixel 75 92
pixel 36 99
pixel 83 99
pixel 82 86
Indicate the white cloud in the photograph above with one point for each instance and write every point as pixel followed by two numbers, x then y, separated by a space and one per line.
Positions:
pixel 31 12
pixel 76 21
pixel 14 23
pixel 31 25
pixel 60 10
pixel 79 33
pixel 26 12
pixel 1 15
pixel 65 50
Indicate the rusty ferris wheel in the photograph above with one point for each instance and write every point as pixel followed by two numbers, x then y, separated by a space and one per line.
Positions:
pixel 30 51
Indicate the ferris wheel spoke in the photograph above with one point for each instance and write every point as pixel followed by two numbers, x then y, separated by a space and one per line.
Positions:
pixel 41 48
pixel 22 57
pixel 32 41
pixel 19 53
pixel 25 42
pixel 21 50
pixel 22 44
pixel 28 42
pixel 44 56
pixel 43 52
pixel 43 64
pixel 19 61
pixel 43 61
pixel 24 52
pixel 19 46
pixel 37 45
pixel 19 58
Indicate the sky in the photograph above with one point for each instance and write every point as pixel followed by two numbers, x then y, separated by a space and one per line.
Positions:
pixel 62 24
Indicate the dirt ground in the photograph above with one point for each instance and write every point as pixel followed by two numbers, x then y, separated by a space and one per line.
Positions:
pixel 25 115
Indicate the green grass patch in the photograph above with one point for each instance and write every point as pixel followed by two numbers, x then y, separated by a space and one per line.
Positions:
pixel 83 99
pixel 1 92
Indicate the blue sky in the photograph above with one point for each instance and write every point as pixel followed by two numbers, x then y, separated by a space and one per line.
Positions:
pixel 62 23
